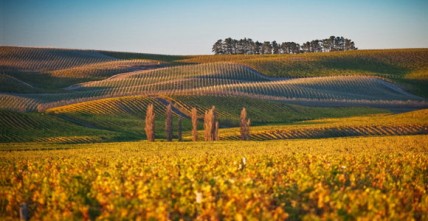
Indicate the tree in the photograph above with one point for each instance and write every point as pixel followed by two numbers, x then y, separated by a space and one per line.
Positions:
pixel 275 47
pixel 228 46
pixel 349 45
pixel 248 46
pixel 332 42
pixel 240 46
pixel 235 45
pixel 315 46
pixel 150 123
pixel 306 47
pixel 339 43
pixel 258 47
pixel 295 48
pixel 218 47
pixel 245 125
pixel 180 129
pixel 210 125
pixel 194 116
pixel 266 48
pixel 168 122
pixel 214 123
pixel 285 48
pixel 327 44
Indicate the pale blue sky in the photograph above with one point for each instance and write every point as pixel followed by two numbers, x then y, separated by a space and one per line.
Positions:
pixel 192 26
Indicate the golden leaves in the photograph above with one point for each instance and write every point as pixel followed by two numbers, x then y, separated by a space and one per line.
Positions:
pixel 376 178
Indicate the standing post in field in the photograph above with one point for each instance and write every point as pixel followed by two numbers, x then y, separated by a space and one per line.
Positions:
pixel 245 125
pixel 150 123
pixel 194 116
pixel 168 122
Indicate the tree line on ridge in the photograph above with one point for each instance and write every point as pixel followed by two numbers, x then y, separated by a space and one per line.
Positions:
pixel 248 46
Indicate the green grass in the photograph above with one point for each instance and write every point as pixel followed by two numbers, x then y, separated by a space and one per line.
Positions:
pixel 23 127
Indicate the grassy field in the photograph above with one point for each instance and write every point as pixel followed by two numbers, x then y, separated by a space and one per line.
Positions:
pixel 374 178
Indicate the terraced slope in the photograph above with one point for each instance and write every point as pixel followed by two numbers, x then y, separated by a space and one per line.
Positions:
pixel 109 91
pixel 410 123
pixel 110 112
pixel 12 84
pixel 406 67
pixel 102 70
pixel 24 127
pixel 17 103
pixel 236 80
pixel 56 68
pixel 124 115
pixel 229 108
pixel 47 59
pixel 396 63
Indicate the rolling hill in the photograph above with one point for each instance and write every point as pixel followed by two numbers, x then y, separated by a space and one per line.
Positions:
pixel 100 95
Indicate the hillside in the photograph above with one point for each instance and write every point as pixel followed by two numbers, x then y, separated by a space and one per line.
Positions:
pixel 410 123
pixel 100 95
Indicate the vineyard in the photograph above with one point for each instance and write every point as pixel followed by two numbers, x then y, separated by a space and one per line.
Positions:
pixel 377 178
pixel 409 123
pixel 103 96
pixel 332 136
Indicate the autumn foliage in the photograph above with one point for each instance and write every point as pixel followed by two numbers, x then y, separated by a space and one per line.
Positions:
pixel 245 125
pixel 194 116
pixel 150 123
pixel 211 125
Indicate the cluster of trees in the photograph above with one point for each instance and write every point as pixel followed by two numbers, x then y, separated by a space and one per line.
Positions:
pixel 211 124
pixel 248 46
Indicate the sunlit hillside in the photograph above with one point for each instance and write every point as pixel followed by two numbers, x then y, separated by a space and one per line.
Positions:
pixel 103 96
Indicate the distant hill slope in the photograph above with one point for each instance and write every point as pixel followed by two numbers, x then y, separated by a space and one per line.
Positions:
pixel 415 122
pixel 108 91
pixel 47 59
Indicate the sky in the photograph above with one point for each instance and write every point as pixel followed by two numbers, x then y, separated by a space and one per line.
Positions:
pixel 185 27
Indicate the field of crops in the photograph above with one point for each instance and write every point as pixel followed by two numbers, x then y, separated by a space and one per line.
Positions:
pixel 123 118
pixel 36 79
pixel 410 123
pixel 377 178
pixel 334 136
pixel 102 96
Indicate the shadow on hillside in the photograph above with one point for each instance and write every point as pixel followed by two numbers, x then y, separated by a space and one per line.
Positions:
pixel 41 82
pixel 364 65
pixel 173 59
